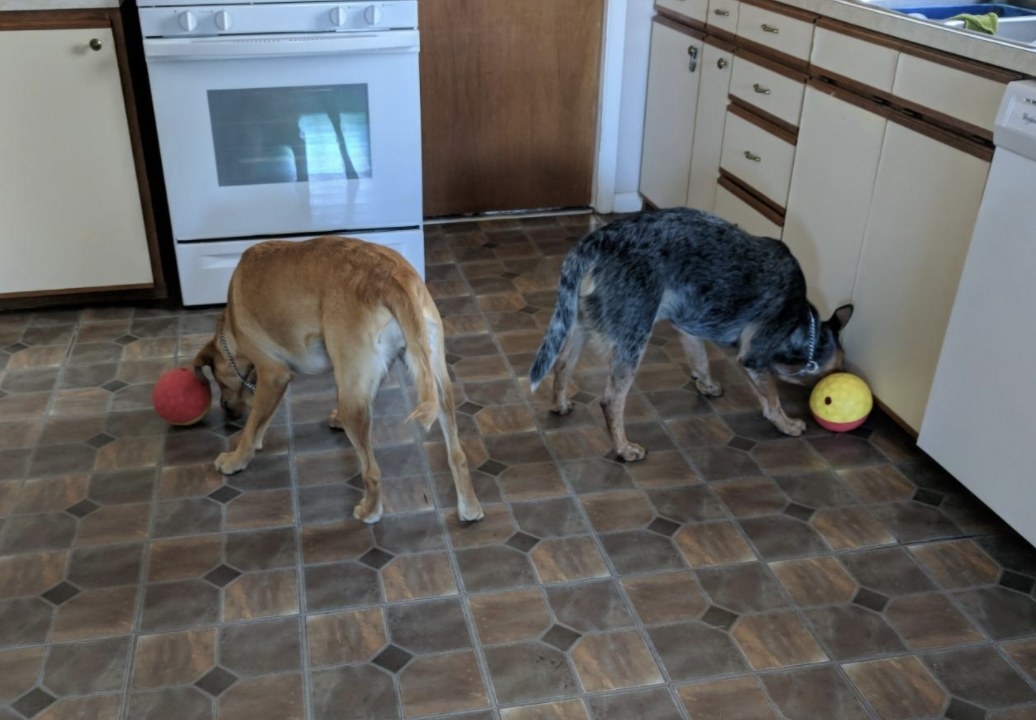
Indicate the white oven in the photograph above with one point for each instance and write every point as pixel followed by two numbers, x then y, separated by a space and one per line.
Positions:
pixel 284 119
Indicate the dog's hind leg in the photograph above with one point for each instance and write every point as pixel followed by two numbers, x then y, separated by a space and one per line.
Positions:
pixel 765 388
pixel 701 370
pixel 564 366
pixel 355 418
pixel 468 507
pixel 614 406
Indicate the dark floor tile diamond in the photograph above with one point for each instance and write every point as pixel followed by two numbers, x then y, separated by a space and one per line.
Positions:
pixel 452 359
pixel 222 576
pixel 224 494
pixel 560 637
pixel 393 658
pixel 799 511
pixel 522 541
pixel 718 617
pixel 469 408
pixel 662 526
pixel 100 440
pixel 871 600
pixel 60 593
pixel 928 497
pixel 376 558
pixel 82 508
pixel 126 339
pixel 961 710
pixel 33 702
pixel 114 385
pixel 492 467
pixel 216 681
pixel 741 443
pixel 529 310
pixel 1016 581
pixel 16 347
pixel 583 397
pixel 509 275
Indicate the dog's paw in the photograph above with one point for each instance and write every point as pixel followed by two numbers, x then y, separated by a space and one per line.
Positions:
pixel 631 452
pixel 369 515
pixel 708 387
pixel 332 420
pixel 470 513
pixel 562 407
pixel 791 426
pixel 229 463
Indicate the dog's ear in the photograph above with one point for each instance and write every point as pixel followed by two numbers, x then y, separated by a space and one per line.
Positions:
pixel 840 318
pixel 206 357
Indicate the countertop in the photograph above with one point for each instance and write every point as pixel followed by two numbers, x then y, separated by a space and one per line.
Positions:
pixel 1003 54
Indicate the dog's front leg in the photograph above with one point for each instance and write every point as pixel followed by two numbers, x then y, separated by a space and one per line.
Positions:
pixel 614 406
pixel 698 356
pixel 269 389
pixel 765 388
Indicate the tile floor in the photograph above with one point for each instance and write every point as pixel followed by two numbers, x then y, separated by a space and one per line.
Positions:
pixel 733 574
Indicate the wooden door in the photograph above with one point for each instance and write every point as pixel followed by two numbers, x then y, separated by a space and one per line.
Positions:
pixel 509 95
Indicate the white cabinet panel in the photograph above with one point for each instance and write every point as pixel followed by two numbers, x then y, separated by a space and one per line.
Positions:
pixel 723 15
pixel 693 9
pixel 757 158
pixel 69 197
pixel 836 162
pixel 708 127
pixel 925 201
pixel 775 30
pixel 771 92
pixel 733 209
pixel 850 57
pixel 947 90
pixel 672 97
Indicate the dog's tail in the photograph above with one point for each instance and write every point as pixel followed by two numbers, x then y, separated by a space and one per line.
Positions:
pixel 576 264
pixel 418 354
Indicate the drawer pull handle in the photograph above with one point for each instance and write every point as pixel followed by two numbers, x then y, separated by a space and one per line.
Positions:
pixel 96 45
pixel 721 63
pixel 721 13
pixel 760 89
pixel 752 156
pixel 770 28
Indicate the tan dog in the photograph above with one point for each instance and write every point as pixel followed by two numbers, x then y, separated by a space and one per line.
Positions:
pixel 340 303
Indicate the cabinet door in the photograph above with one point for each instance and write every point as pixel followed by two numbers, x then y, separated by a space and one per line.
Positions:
pixel 926 199
pixel 836 161
pixel 708 127
pixel 672 97
pixel 68 187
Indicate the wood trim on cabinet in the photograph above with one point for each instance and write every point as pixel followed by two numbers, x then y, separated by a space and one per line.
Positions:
pixel 669 22
pixel 826 77
pixel 944 120
pixel 782 9
pixel 55 19
pixel 765 51
pixel 744 193
pixel 677 21
pixel 721 42
pixel 849 95
pixel 750 113
pixel 983 150
pixel 859 33
pixel 771 65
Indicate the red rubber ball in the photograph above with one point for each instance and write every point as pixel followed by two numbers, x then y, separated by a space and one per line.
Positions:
pixel 180 398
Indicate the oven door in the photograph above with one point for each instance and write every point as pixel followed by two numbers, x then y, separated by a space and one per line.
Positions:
pixel 278 135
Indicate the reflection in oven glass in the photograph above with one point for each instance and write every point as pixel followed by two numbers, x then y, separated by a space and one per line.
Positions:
pixel 291 134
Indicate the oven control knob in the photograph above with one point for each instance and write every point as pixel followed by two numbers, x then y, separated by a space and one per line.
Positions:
pixel 188 20
pixel 372 14
pixel 223 20
pixel 339 16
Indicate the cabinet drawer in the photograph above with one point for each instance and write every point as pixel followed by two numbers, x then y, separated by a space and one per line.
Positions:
pixel 733 209
pixel 865 62
pixel 757 158
pixel 692 9
pixel 775 30
pixel 723 15
pixel 771 92
pixel 949 91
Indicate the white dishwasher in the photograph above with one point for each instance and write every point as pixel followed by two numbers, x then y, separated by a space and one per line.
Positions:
pixel 980 421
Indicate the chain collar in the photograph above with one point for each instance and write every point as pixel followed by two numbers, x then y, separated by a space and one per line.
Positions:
pixel 233 365
pixel 811 365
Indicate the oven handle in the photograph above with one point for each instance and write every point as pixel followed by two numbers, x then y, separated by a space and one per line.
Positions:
pixel 254 46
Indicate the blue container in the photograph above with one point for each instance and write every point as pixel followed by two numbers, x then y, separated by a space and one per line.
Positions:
pixel 945 12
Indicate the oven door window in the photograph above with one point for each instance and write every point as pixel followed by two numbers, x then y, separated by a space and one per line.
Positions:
pixel 290 134
pixel 289 145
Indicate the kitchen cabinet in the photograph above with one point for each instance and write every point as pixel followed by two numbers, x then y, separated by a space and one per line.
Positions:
pixel 73 192
pixel 716 62
pixel 672 99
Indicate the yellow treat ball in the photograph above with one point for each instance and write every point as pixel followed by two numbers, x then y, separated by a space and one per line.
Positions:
pixel 841 402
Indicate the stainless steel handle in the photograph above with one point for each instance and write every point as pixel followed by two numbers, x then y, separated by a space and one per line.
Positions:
pixel 770 28
pixel 692 64
pixel 96 44
pixel 721 13
pixel 752 156
pixel 760 89
pixel 721 63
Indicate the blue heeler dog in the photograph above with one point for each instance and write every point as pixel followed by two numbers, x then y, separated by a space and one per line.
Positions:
pixel 712 281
